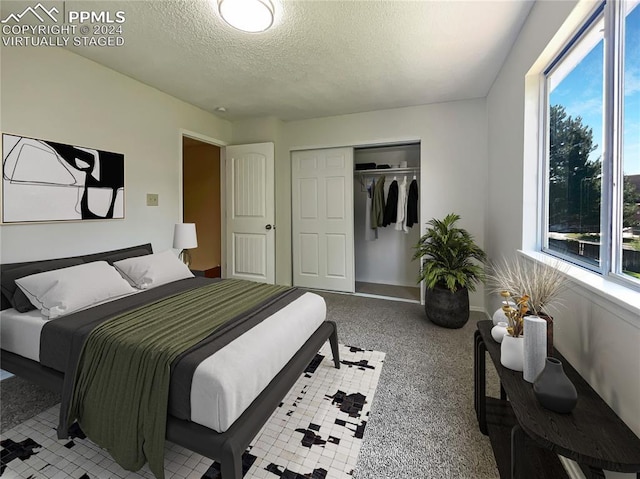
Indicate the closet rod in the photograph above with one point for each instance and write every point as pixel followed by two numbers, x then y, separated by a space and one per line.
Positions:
pixel 361 174
pixel 384 171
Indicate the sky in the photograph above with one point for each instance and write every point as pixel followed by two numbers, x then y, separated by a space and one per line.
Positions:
pixel 580 92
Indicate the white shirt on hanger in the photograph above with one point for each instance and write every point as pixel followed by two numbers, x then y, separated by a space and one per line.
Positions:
pixel 401 218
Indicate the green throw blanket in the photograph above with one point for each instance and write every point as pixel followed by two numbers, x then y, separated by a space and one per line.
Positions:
pixel 121 390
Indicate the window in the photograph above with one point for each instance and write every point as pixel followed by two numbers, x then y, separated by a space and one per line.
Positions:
pixel 592 145
pixel 629 233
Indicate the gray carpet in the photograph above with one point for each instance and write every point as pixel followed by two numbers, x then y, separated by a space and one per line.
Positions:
pixel 21 400
pixel 422 422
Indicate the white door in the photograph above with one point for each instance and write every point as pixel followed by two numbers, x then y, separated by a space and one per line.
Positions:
pixel 250 211
pixel 322 219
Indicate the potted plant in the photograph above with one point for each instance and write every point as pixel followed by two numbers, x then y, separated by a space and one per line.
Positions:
pixel 541 283
pixel 451 267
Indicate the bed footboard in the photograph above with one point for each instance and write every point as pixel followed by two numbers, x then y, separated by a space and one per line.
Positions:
pixel 32 371
pixel 226 447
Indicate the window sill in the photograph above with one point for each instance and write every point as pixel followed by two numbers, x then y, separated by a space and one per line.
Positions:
pixel 604 288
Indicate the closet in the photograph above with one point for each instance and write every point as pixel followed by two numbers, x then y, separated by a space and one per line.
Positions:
pixel 383 256
pixel 332 245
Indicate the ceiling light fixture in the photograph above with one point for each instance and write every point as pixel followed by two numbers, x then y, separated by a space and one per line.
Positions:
pixel 251 16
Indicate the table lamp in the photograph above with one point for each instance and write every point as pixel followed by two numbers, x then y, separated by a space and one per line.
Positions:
pixel 184 237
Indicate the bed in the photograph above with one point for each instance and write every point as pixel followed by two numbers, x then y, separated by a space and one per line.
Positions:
pixel 222 432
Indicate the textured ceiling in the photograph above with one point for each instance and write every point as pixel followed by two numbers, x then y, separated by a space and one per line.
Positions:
pixel 320 58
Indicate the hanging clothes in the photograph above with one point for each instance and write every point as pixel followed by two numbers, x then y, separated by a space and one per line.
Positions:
pixel 412 204
pixel 370 234
pixel 391 206
pixel 401 216
pixel 377 207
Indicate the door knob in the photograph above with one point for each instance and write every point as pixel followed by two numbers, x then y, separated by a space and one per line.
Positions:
pixel 268 227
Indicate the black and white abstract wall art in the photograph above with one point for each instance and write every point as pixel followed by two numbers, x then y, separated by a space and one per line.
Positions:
pixel 48 181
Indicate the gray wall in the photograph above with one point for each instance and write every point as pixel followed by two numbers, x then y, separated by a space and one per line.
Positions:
pixel 53 94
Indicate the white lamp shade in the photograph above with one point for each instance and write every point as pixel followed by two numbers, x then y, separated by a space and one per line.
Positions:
pixel 251 16
pixel 184 236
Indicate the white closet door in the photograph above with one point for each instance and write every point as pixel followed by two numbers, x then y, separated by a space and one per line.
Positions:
pixel 322 219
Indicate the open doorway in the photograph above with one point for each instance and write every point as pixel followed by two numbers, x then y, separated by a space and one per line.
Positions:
pixel 384 264
pixel 201 203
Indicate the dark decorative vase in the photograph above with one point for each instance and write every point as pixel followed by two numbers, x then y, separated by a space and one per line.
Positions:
pixel 447 309
pixel 553 388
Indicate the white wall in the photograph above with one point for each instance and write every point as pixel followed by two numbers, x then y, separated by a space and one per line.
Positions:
pixel 599 338
pixel 453 156
pixel 52 94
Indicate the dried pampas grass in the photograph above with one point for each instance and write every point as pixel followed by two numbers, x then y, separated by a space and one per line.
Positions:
pixel 542 283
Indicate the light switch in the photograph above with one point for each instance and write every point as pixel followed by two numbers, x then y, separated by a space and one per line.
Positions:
pixel 152 199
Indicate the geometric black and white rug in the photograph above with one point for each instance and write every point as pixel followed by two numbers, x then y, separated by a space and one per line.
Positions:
pixel 316 433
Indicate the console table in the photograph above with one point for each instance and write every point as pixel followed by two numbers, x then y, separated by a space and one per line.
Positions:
pixel 526 437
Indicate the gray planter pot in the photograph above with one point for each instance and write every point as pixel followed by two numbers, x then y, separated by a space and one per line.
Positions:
pixel 447 309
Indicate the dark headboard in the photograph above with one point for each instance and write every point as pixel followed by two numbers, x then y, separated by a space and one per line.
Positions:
pixel 45 265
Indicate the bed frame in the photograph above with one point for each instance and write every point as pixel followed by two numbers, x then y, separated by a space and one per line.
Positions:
pixel 226 447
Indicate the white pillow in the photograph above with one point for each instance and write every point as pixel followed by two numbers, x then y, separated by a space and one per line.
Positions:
pixel 64 291
pixel 151 270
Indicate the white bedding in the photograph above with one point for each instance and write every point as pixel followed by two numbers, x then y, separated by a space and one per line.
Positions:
pixel 20 332
pixel 225 383
pixel 229 380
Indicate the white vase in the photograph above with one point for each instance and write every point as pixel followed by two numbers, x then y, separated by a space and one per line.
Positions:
pixel 535 347
pixel 498 331
pixel 512 352
pixel 499 316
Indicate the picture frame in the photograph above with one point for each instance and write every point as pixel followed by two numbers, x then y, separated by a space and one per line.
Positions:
pixel 48 181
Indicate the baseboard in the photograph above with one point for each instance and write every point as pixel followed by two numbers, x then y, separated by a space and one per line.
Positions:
pixel 479 309
pixel 387 298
